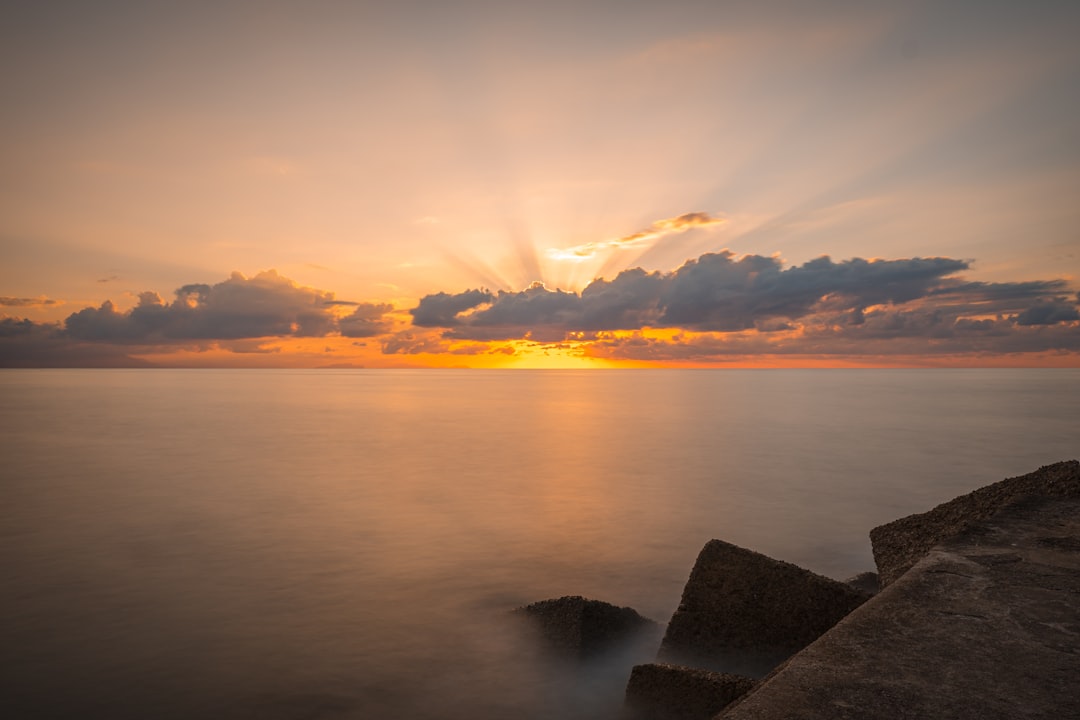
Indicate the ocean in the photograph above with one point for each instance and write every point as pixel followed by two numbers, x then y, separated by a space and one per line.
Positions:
pixel 350 543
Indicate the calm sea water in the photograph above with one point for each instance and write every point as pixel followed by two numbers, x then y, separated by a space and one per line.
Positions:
pixel 347 544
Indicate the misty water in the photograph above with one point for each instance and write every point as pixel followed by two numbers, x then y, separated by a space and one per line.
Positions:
pixel 348 544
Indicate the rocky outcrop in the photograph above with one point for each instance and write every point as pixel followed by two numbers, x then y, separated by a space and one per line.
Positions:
pixel 898 545
pixel 578 627
pixel 975 618
pixel 742 611
pixel 660 691
pixel 986 625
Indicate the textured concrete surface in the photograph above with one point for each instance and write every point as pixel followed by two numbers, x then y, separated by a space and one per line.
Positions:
pixel 985 626
pixel 902 543
pixel 743 612
pixel 660 691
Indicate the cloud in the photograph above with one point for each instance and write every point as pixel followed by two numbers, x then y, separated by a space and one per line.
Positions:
pixel 367 320
pixel 730 305
pixel 435 343
pixel 27 302
pixel 442 309
pixel 655 231
pixel 716 291
pixel 266 305
pixel 717 306
pixel 24 343
pixel 16 328
pixel 407 343
pixel 1048 312
pixel 235 315
pixel 904 334
pixel 631 300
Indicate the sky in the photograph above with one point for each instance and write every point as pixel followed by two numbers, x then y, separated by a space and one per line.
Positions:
pixel 519 184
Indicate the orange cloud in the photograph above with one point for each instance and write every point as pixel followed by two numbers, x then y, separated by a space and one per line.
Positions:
pixel 651 234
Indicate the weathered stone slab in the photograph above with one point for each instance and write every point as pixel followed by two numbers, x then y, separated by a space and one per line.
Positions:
pixel 659 691
pixel 898 545
pixel 986 625
pixel 579 627
pixel 745 612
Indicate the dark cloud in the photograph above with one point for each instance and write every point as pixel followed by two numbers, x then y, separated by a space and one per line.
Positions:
pixel 27 302
pixel 17 328
pixel 266 305
pixel 628 301
pixel 716 306
pixel 1048 312
pixel 443 309
pixel 716 292
pixel 367 320
pixel 823 307
pixel 531 307
pixel 969 298
pixel 985 291
pixel 234 315
pixel 24 343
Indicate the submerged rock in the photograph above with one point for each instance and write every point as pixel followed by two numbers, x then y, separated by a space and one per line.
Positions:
pixel 659 691
pixel 579 627
pixel 746 612
pixel 900 544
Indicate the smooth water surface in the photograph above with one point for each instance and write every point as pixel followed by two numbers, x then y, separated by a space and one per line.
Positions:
pixel 347 544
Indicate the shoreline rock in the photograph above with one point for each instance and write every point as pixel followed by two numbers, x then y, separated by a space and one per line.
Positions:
pixel 660 691
pixel 744 612
pixel 970 598
pixel 898 545
pixel 575 626
pixel 985 625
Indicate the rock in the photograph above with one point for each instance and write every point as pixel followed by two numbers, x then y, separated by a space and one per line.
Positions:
pixel 898 545
pixel 742 611
pixel 866 582
pixel 672 692
pixel 986 625
pixel 579 627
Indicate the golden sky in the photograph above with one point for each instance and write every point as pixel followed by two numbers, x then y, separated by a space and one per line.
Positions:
pixel 512 184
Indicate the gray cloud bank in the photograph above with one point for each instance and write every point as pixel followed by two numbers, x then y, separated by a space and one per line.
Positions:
pixel 835 304
pixel 719 305
pixel 266 305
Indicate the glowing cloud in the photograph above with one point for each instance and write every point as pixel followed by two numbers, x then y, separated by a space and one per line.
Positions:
pixel 655 231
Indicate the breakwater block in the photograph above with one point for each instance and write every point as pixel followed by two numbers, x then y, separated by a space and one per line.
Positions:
pixel 985 625
pixel 900 544
pixel 578 627
pixel 744 612
pixel 659 691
